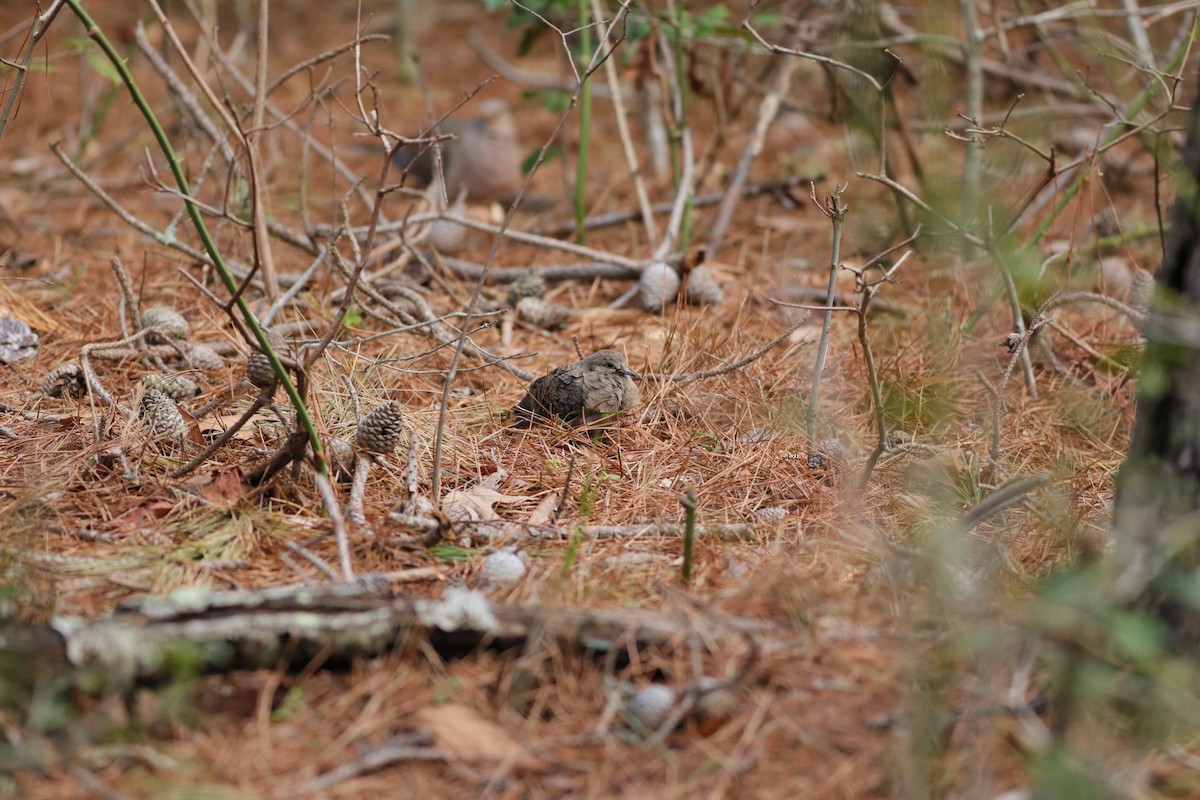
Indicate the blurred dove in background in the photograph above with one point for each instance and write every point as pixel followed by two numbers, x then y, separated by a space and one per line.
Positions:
pixel 484 161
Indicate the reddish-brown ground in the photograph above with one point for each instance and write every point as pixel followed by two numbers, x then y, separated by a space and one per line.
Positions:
pixel 845 698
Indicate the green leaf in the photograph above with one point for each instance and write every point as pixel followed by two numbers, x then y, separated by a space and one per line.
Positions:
pixel 555 100
pixel 103 67
pixel 711 19
pixel 765 19
pixel 529 38
pixel 353 317
pixel 552 153
pixel 1137 636
pixel 293 702
pixel 448 553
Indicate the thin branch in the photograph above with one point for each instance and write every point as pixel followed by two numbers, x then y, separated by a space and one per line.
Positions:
pixel 41 23
pixel 688 377
pixel 767 111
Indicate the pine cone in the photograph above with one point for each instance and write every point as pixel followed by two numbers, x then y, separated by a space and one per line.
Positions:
pixel 541 312
pixel 65 380
pixel 1141 291
pixel 658 287
pixel 651 704
pixel 281 346
pixel 340 455
pixel 702 288
pixel 162 417
pixel 202 357
pixel 503 568
pixel 258 367
pixel 260 372
pixel 382 430
pixel 447 236
pixel 176 387
pixel 164 325
pixel 531 284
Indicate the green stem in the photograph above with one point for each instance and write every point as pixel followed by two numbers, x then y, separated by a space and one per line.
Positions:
pixel 689 531
pixel 97 35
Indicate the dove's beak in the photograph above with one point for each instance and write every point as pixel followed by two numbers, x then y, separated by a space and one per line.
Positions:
pixel 628 373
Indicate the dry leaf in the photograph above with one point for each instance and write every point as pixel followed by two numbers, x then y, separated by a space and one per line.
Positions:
pixel 460 730
pixel 475 504
pixel 226 487
pixel 546 511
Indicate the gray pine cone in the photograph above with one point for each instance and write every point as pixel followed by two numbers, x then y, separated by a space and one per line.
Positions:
pixel 1141 291
pixel 202 357
pixel 65 380
pixel 382 430
pixel 258 367
pixel 281 346
pixel 531 284
pixel 176 387
pixel 447 236
pixel 702 288
pixel 658 287
pixel 541 312
pixel 340 454
pixel 164 325
pixel 162 417
pixel 259 371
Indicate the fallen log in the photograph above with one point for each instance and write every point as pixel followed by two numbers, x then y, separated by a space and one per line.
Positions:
pixel 191 631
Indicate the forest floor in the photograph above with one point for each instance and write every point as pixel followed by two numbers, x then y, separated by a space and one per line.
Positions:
pixel 868 678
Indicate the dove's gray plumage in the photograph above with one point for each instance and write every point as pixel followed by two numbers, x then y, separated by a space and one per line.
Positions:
pixel 583 392
pixel 484 161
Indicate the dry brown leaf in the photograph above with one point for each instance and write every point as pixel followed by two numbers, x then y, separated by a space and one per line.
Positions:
pixel 226 487
pixel 476 503
pixel 546 511
pixel 459 729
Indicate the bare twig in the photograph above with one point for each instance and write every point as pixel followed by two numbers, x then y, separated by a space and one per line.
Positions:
pixel 137 224
pixel 700 201
pixel 312 558
pixel 264 256
pixel 186 98
pixel 1138 318
pixel 768 109
pixel 631 157
pixel 820 59
pixel 407 747
pixel 320 149
pixel 263 398
pixel 835 211
pixel 1017 344
pixel 867 291
pixel 733 365
pixel 129 296
pixel 358 492
pixel 973 160
pixel 41 23
pixel 321 58
pixel 727 532
pixel 507 232
pixel 334 512
pixel 1003 497
pixel 554 272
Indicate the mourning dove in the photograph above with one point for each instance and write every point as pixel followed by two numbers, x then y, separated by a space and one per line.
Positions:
pixel 583 392
pixel 484 161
